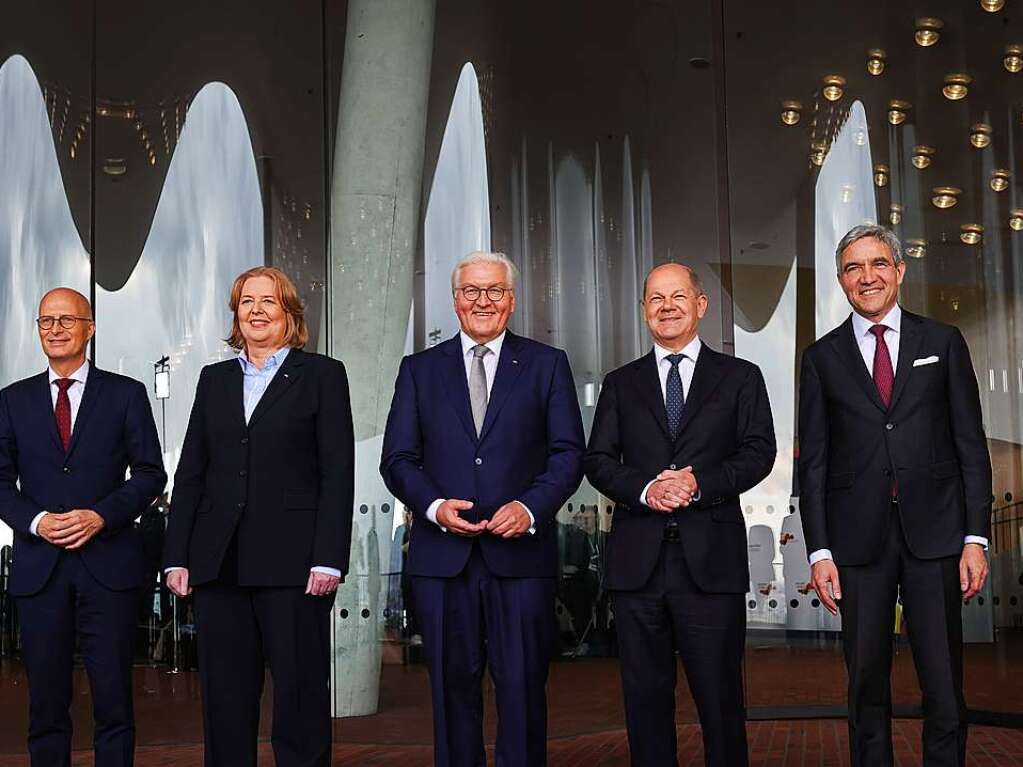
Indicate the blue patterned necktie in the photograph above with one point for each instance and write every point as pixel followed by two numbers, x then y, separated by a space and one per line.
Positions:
pixel 674 399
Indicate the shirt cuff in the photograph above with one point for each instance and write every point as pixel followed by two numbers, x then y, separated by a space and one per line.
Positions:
pixel 34 526
pixel 642 496
pixel 819 556
pixel 976 539
pixel 326 570
pixel 431 513
pixel 532 519
pixel 168 570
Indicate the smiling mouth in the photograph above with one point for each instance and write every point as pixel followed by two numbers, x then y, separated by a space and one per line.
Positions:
pixel 871 291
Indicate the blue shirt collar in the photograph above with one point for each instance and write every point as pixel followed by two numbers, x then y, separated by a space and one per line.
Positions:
pixel 272 362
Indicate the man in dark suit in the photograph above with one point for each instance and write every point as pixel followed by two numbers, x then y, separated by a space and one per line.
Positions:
pixel 677 436
pixel 67 436
pixel 484 444
pixel 895 495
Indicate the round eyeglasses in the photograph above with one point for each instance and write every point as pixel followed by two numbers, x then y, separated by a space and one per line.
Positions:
pixel 471 293
pixel 66 321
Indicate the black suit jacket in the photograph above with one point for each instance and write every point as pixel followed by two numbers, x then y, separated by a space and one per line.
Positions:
pixel 284 483
pixel 930 441
pixel 113 432
pixel 726 435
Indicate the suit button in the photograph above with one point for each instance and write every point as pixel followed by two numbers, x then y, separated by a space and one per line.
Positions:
pixel 889 426
pixel 242 473
pixel 672 467
pixel 66 469
pixel 61 509
pixel 887 472
pixel 245 440
pixel 241 505
pixel 479 461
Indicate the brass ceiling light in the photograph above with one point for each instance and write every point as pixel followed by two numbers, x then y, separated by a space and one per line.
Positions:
pixel 980 135
pixel 916 248
pixel 875 61
pixel 971 234
pixel 927 31
pixel 897 110
pixel 880 175
pixel 895 214
pixel 818 150
pixel 791 111
pixel 992 6
pixel 833 85
pixel 957 85
pixel 1013 58
pixel 1000 179
pixel 922 156
pixel 945 197
pixel 1016 220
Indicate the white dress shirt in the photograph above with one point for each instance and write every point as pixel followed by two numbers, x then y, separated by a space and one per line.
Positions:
pixel 686 366
pixel 867 343
pixel 74 394
pixel 490 370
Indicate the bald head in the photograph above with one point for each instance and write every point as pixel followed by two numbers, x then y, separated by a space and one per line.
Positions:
pixel 67 297
pixel 677 270
pixel 65 328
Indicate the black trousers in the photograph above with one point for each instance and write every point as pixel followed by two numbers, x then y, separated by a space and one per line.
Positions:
pixel 670 613
pixel 932 607
pixel 73 603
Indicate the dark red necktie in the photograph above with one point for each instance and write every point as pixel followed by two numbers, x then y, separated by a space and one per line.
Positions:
pixel 884 375
pixel 62 411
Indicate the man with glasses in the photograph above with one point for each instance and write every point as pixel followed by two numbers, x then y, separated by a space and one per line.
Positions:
pixel 67 438
pixel 484 444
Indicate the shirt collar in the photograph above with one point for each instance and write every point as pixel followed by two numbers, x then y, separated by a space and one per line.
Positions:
pixel 690 350
pixel 79 375
pixel 892 320
pixel 272 361
pixel 494 345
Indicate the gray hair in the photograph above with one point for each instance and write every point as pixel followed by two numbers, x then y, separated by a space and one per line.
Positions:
pixel 484 257
pixel 882 234
pixel 694 278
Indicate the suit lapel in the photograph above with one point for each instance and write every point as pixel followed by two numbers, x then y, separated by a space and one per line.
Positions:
pixel 45 399
pixel 285 378
pixel 648 384
pixel 706 376
pixel 456 385
pixel 233 389
pixel 843 342
pixel 509 366
pixel 90 396
pixel 910 338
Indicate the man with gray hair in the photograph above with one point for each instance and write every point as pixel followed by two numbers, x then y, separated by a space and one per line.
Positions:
pixel 895 495
pixel 484 444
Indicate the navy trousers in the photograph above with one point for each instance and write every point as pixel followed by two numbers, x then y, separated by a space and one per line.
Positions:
pixel 477 619
pixel 74 603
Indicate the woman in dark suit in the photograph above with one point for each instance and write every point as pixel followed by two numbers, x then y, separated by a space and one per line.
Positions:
pixel 260 526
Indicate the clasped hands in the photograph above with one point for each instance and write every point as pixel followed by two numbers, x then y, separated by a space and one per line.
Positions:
pixel 671 489
pixel 70 530
pixel 510 521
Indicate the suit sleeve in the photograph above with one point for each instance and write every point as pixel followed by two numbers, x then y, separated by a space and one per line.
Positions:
pixel 968 437
pixel 401 460
pixel 565 446
pixel 189 480
pixel 16 509
pixel 813 456
pixel 756 450
pixel 145 460
pixel 603 462
pixel 335 437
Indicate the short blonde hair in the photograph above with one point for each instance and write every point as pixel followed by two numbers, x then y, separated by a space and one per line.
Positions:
pixel 297 333
pixel 484 257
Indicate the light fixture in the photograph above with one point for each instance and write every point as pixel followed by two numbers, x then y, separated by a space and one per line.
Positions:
pixel 927 31
pixel 895 214
pixel 922 156
pixel 945 197
pixel 916 248
pixel 980 135
pixel 860 137
pixel 992 6
pixel 897 110
pixel 847 193
pixel 115 166
pixel 880 175
pixel 957 85
pixel 833 85
pixel 818 149
pixel 875 61
pixel 791 111
pixel 1013 58
pixel 1016 220
pixel 971 234
pixel 1000 179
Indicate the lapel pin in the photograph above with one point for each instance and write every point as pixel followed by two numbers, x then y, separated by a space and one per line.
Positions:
pixel 515 362
pixel 285 375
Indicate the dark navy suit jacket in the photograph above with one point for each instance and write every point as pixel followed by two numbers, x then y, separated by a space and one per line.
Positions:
pixel 113 432
pixel 530 449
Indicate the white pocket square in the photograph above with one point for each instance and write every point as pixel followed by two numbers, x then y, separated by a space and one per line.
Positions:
pixel 925 361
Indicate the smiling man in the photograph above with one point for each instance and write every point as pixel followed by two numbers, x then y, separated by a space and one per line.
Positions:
pixel 895 495
pixel 678 434
pixel 484 444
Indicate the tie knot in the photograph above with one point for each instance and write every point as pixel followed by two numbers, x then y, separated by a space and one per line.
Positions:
pixel 878 330
pixel 674 359
pixel 64 383
pixel 479 350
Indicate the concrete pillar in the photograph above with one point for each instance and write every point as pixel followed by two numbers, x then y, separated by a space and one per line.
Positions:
pixel 375 203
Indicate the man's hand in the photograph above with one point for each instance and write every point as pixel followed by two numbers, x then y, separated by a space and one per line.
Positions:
pixel 177 582
pixel 510 521
pixel 972 570
pixel 666 495
pixel 824 578
pixel 70 530
pixel 321 583
pixel 448 517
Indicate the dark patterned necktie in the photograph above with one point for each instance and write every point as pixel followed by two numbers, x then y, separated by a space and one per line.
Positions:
pixel 884 375
pixel 674 398
pixel 62 412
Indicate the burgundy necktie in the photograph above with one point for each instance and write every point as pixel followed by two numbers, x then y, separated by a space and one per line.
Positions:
pixel 62 411
pixel 884 375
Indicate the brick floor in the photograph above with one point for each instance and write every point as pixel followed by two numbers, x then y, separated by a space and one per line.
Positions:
pixel 799 743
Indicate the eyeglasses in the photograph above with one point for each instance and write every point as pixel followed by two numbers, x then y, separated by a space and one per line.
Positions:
pixel 471 293
pixel 67 321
